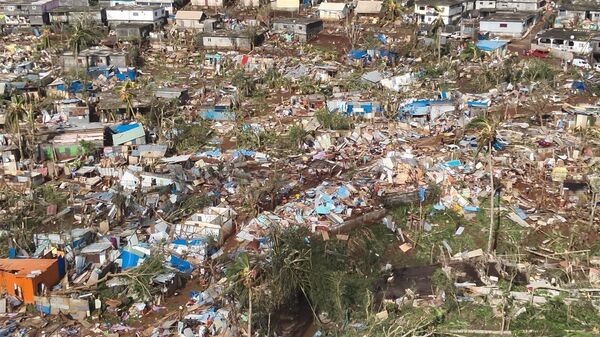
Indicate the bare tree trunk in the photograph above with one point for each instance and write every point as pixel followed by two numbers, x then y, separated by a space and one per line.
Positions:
pixel 490 246
pixel 249 312
pixel 594 202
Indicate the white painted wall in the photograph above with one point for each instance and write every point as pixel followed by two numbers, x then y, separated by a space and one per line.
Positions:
pixel 135 15
pixel 503 28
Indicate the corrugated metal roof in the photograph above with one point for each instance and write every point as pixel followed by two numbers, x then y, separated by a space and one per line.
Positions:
pixel 368 7
pixel 24 267
pixel 332 6
pixel 189 15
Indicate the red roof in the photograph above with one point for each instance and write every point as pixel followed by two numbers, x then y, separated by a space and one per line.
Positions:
pixel 24 267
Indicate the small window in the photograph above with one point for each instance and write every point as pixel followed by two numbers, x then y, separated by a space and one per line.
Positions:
pixel 571 43
pixel 422 8
pixel 503 25
pixel 136 14
pixel 481 3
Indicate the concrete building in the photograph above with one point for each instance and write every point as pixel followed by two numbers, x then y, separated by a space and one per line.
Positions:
pixel 287 5
pixel 333 11
pixel 27 278
pixel 519 5
pixel 190 19
pixel 169 5
pixel 567 40
pixel 211 3
pixel 233 40
pixel 485 6
pixel 70 14
pixel 94 57
pixel 578 11
pixel 136 14
pixel 449 10
pixel 507 24
pixel 133 31
pixel 27 13
pixel 303 29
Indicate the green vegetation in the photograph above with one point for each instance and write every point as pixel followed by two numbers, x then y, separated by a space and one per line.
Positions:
pixel 192 137
pixel 333 120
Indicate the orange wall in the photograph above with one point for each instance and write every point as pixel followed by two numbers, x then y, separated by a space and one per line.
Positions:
pixel 49 277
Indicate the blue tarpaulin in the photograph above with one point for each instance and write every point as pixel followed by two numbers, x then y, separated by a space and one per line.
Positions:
pixel 578 85
pixel 358 54
pixel 129 259
pixel 181 265
pixel 125 127
pixel 490 45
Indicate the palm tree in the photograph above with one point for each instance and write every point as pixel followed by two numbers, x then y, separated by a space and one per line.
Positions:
pixel 82 36
pixel 486 135
pixel 436 28
pixel 15 113
pixel 127 95
pixel 240 273
pixel 392 10
pixel 471 53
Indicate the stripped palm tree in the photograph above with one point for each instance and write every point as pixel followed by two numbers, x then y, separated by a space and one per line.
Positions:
pixel 486 133
pixel 15 113
pixel 436 28
pixel 392 10
pixel 240 273
pixel 471 53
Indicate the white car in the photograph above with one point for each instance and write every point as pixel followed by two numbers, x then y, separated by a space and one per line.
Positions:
pixel 597 67
pixel 581 63
pixel 553 98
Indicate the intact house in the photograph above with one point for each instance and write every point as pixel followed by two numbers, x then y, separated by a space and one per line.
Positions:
pixel 169 5
pixel 333 10
pixel 485 6
pixel 427 11
pixel 287 5
pixel 304 29
pixel 577 11
pixel 190 19
pixel 371 8
pixel 27 13
pixel 507 24
pixel 520 5
pixel 27 278
pixel 94 57
pixel 230 39
pixel 567 40
pixel 135 14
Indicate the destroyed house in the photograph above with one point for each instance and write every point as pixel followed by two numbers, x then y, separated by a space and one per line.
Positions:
pixel 581 10
pixel 71 14
pixel 133 31
pixel 180 95
pixel 76 238
pixel 26 278
pixel 23 13
pixel 568 40
pixel 211 3
pixel 94 57
pixel 100 253
pixel 216 222
pixel 304 29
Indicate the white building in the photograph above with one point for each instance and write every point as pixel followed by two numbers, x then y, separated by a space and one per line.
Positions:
pixel 567 40
pixel 333 10
pixel 520 5
pixel 485 5
pixel 507 24
pixel 449 10
pixel 287 5
pixel 168 5
pixel 210 3
pixel 135 14
pixel 190 19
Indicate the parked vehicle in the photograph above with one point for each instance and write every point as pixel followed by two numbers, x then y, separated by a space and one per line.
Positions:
pixel 581 63
pixel 597 67
pixel 537 53
pixel 553 98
